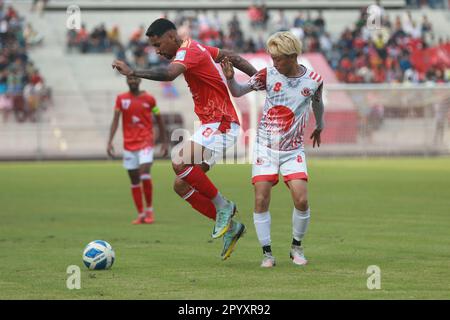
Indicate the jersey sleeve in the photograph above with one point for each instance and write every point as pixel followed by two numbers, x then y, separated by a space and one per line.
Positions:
pixel 187 57
pixel 117 106
pixel 213 51
pixel 259 80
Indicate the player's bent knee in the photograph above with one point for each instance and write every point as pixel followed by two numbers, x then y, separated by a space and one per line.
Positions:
pixel 180 187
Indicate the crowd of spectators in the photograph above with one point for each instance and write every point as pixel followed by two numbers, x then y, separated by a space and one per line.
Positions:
pixel 96 41
pixel 433 4
pixel 359 55
pixel 22 89
pixel 383 55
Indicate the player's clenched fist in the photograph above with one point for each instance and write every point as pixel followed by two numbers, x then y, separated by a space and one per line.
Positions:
pixel 122 67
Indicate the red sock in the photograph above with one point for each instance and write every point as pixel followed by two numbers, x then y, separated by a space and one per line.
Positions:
pixel 148 189
pixel 195 177
pixel 201 203
pixel 137 197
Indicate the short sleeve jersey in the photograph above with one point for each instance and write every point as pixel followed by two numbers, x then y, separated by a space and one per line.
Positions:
pixel 286 107
pixel 208 86
pixel 137 122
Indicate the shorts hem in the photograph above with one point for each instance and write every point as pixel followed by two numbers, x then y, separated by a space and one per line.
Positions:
pixel 266 177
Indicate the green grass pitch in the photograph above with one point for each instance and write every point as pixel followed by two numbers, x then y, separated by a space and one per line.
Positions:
pixel 393 213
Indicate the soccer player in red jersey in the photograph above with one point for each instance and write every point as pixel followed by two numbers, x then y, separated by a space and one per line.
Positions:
pixel 220 124
pixel 137 108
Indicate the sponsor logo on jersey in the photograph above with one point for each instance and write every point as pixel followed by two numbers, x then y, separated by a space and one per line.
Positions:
pixel 126 103
pixel 181 54
pixel 306 92
pixel 135 119
pixel 259 161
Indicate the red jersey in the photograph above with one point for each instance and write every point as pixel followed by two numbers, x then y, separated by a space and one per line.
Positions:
pixel 137 123
pixel 207 84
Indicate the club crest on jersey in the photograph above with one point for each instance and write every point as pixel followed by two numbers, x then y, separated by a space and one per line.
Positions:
pixel 259 161
pixel 306 92
pixel 146 105
pixel 180 55
pixel 126 103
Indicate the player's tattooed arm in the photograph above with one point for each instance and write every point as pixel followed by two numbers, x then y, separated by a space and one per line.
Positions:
pixel 165 73
pixel 237 61
pixel 236 89
pixel 318 109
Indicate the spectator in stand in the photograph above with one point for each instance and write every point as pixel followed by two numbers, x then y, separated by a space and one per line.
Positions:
pixel 255 15
pixel 281 22
pixel 319 23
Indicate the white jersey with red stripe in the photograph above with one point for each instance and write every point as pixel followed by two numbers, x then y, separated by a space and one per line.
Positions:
pixel 286 108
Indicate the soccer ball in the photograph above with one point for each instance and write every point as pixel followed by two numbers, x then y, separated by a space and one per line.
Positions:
pixel 98 255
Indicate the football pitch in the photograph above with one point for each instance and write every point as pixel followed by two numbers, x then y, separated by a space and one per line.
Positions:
pixel 391 213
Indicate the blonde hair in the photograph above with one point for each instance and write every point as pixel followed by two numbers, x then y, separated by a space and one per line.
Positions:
pixel 283 43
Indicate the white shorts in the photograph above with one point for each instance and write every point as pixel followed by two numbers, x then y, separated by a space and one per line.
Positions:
pixel 133 159
pixel 212 139
pixel 268 163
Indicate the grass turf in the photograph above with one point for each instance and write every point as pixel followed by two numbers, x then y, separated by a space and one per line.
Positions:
pixel 393 213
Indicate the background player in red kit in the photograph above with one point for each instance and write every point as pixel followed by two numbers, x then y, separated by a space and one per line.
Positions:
pixel 137 108
pixel 220 124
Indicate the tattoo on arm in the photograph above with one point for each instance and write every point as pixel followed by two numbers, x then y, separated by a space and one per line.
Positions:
pixel 243 65
pixel 237 61
pixel 158 74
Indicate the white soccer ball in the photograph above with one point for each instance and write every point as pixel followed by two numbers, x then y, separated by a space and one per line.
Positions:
pixel 98 255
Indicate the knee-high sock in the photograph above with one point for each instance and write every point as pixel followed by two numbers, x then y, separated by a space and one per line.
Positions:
pixel 197 179
pixel 201 203
pixel 300 222
pixel 262 225
pixel 137 197
pixel 147 185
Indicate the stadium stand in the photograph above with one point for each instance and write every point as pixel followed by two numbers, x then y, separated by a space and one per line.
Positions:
pixel 22 88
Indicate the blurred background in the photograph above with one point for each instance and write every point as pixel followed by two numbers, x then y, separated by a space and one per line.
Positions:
pixel 385 64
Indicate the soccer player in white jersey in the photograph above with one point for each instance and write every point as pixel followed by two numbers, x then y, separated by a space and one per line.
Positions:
pixel 290 88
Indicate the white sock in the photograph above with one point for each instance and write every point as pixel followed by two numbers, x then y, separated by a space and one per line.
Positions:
pixel 219 201
pixel 262 226
pixel 300 222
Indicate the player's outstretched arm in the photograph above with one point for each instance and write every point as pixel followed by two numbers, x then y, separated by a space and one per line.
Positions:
pixel 236 89
pixel 318 109
pixel 165 73
pixel 237 61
